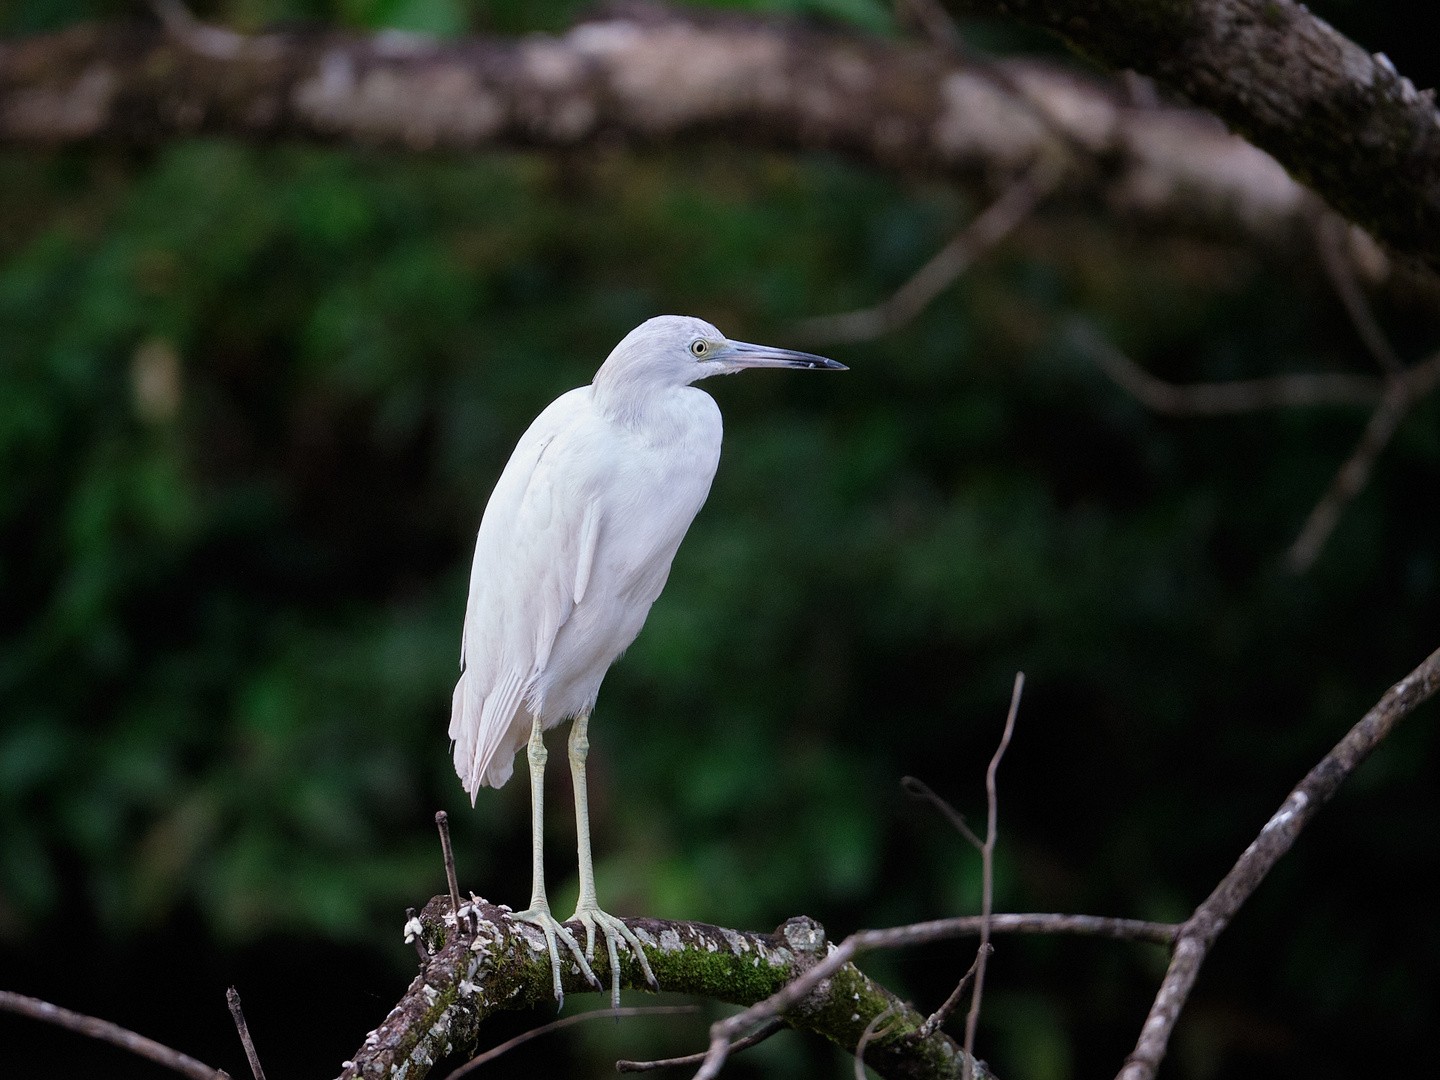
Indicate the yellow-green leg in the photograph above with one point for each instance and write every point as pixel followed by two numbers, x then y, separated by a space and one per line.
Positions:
pixel 538 913
pixel 587 911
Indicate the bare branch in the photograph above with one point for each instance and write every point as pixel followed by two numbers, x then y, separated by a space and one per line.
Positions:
pixel 920 790
pixel 940 1015
pixel 564 1022
pixel 1219 399
pixel 773 1027
pixel 1401 393
pixel 995 223
pixel 1330 235
pixel 1211 917
pixel 232 998
pixel 987 862
pixel 442 822
pixel 105 1031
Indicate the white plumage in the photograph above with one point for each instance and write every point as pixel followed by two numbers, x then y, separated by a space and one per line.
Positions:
pixel 574 547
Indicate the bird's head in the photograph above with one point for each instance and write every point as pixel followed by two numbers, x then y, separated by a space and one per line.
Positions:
pixel 676 350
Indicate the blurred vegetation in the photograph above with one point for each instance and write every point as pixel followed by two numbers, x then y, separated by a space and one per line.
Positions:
pixel 252 402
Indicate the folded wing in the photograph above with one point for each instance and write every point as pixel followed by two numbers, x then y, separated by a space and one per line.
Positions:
pixel 533 559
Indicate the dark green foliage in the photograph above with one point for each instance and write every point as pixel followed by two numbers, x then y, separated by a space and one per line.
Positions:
pixel 230 602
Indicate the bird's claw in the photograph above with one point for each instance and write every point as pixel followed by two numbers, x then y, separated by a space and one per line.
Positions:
pixel 552 929
pixel 591 917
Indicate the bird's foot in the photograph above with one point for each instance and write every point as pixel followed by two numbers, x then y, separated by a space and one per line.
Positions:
pixel 592 918
pixel 539 915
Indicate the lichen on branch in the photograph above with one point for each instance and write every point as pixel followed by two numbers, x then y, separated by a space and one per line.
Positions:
pixel 488 962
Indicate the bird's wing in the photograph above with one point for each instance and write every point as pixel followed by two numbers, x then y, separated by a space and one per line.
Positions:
pixel 533 558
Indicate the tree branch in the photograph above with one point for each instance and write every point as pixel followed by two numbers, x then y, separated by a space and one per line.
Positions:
pixel 491 963
pixel 991 226
pixel 1341 121
pixel 564 1022
pixel 772 1028
pixel 105 1031
pixel 640 75
pixel 1211 917
pixel 987 859
pixel 1402 391
pixel 1226 398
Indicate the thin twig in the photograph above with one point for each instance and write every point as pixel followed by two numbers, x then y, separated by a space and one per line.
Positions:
pixel 865 1037
pixel 920 790
pixel 442 822
pixel 1401 393
pixel 1202 928
pixel 232 998
pixel 1330 231
pixel 987 855
pixel 1219 399
pixel 993 224
pixel 753 1039
pixel 940 1015
pixel 105 1031
pixel 564 1022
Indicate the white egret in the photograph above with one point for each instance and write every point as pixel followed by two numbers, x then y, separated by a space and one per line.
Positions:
pixel 575 545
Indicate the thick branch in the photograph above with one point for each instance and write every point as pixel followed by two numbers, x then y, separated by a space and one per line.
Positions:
pixel 1275 839
pixel 644 75
pixel 504 965
pixel 1340 120
pixel 494 963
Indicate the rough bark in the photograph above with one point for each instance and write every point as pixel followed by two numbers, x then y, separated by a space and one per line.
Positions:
pixel 492 963
pixel 640 76
pixel 1343 122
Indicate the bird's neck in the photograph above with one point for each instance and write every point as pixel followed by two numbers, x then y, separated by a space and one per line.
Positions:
pixel 639 404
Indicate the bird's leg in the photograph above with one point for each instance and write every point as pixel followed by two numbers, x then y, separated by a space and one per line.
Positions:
pixel 538 913
pixel 587 911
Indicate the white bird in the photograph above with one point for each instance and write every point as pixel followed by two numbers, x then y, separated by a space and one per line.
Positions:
pixel 575 545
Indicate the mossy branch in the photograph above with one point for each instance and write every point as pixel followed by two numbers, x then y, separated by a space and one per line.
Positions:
pixel 488 963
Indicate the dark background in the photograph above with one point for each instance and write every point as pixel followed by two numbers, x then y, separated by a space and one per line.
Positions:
pixel 230 606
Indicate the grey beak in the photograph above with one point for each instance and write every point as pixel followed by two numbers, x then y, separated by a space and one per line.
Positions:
pixel 744 355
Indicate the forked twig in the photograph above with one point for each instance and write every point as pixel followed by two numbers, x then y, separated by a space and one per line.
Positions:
pixel 992 225
pixel 920 790
pixel 105 1031
pixel 1393 398
pixel 753 1039
pixel 564 1022
pixel 232 998
pixel 987 897
pixel 1211 917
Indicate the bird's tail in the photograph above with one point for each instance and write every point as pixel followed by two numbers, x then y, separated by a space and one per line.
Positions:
pixel 487 730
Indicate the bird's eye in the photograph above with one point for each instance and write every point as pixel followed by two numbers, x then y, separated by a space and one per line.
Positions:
pixel 699 347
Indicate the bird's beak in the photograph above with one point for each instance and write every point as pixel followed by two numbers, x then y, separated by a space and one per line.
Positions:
pixel 741 354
